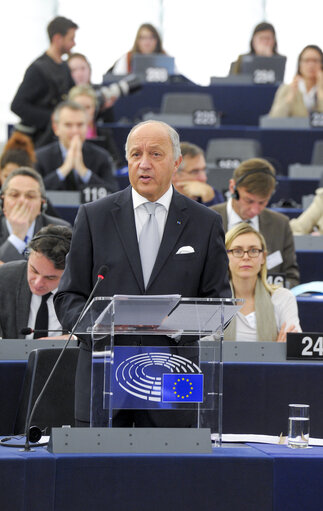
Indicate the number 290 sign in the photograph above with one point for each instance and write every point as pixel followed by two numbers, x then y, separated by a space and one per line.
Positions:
pixel 305 346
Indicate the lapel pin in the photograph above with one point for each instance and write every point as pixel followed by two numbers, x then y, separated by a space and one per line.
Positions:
pixel 179 222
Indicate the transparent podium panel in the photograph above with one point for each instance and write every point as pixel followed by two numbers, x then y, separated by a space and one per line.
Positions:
pixel 151 379
pixel 157 358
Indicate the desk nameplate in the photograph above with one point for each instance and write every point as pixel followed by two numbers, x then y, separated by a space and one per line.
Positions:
pixel 305 346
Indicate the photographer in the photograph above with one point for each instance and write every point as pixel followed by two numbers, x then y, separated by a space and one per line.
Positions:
pixel 46 83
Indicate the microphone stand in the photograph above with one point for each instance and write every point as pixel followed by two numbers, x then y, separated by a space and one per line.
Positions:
pixel 100 277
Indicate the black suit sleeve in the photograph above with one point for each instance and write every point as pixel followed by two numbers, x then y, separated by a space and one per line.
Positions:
pixel 215 277
pixel 31 89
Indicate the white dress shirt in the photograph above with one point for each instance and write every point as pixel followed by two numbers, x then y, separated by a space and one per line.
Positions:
pixel 234 219
pixel 18 243
pixel 53 323
pixel 161 213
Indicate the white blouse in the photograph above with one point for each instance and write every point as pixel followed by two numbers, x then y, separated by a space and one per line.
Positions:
pixel 285 310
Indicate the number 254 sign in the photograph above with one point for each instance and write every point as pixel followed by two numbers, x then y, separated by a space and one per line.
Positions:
pixel 305 346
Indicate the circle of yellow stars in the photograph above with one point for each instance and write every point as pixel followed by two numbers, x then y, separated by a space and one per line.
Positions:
pixel 181 395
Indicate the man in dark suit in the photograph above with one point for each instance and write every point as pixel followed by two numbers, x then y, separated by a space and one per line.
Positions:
pixel 251 187
pixel 22 283
pixel 23 205
pixel 191 259
pixel 72 163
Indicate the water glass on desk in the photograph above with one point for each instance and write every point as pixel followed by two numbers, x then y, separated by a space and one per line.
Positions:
pixel 298 425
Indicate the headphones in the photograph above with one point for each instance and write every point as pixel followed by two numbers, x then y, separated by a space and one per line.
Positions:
pixel 57 237
pixel 236 195
pixel 43 207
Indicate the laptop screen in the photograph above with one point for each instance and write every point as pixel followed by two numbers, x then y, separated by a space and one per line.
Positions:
pixel 153 67
pixel 264 69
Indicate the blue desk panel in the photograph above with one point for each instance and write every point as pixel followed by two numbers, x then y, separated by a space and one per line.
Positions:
pixel 298 475
pixel 255 477
pixel 310 311
pixel 310 264
pixel 283 147
pixel 256 395
pixel 238 104
pixel 238 478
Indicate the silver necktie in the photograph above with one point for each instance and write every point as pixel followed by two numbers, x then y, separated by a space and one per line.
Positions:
pixel 149 241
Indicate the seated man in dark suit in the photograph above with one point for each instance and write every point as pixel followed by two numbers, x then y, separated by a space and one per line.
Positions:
pixel 251 187
pixel 71 162
pixel 23 284
pixel 190 178
pixel 23 206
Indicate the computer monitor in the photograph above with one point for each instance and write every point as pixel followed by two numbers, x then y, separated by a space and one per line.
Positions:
pixel 153 67
pixel 264 69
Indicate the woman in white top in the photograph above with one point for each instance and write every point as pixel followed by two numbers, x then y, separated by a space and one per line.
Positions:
pixel 269 312
pixel 305 93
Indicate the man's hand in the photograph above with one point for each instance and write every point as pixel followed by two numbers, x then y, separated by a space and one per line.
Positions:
pixel 20 217
pixel 68 163
pixel 195 189
pixel 78 157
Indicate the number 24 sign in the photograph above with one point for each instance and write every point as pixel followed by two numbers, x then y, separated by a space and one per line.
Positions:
pixel 305 346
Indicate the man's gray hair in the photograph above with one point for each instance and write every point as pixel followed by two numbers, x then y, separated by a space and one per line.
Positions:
pixel 25 171
pixel 173 135
pixel 71 105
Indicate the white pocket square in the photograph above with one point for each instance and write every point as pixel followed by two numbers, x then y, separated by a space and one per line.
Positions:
pixel 185 250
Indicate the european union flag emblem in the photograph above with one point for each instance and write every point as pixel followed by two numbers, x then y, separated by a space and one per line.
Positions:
pixel 182 388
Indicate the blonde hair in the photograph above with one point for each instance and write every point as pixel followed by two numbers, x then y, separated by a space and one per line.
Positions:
pixel 244 228
pixel 82 90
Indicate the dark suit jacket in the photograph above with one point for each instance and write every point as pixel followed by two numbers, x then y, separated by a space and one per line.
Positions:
pixel 7 251
pixel 15 297
pixel 96 159
pixel 105 233
pixel 278 235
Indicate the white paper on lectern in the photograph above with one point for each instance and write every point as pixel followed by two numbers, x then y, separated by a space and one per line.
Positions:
pixel 261 439
pixel 127 314
pixel 199 317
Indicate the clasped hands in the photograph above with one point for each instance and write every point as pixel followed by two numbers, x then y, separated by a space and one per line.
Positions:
pixel 74 158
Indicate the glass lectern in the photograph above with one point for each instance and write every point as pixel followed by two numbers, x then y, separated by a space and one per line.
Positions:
pixel 155 353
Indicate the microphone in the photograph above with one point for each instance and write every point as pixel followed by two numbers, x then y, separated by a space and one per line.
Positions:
pixel 27 331
pixel 29 431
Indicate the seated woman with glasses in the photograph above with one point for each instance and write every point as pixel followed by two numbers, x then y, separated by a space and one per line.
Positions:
pixel 305 94
pixel 269 312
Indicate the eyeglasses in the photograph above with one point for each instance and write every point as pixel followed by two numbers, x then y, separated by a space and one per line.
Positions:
pixel 308 60
pixel 195 172
pixel 252 252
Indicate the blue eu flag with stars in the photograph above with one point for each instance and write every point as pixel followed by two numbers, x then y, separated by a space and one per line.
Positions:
pixel 182 388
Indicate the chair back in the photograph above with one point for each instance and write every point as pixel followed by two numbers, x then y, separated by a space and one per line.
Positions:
pixel 56 408
pixel 185 102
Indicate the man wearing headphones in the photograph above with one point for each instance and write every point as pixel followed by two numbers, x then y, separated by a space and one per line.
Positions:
pixel 27 288
pixel 23 206
pixel 251 187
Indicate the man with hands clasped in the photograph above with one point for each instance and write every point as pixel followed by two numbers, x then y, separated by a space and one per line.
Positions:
pixel 71 162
